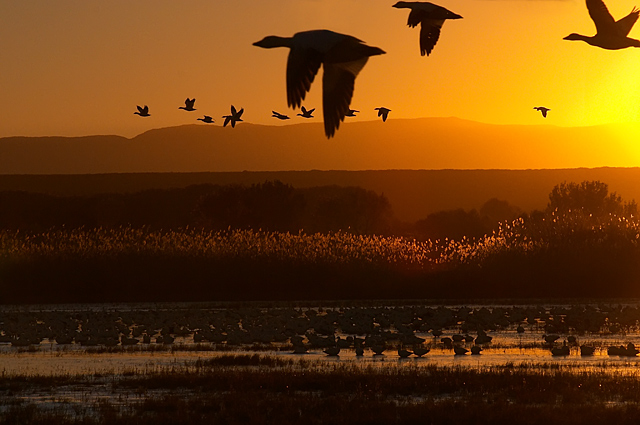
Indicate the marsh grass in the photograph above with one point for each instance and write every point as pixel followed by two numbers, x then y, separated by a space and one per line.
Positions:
pixel 559 255
pixel 264 389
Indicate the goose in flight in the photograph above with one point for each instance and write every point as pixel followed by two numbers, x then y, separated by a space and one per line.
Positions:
pixel 431 17
pixel 306 113
pixel 543 110
pixel 351 113
pixel 188 105
pixel 207 119
pixel 383 112
pixel 234 117
pixel 610 34
pixel 143 112
pixel 279 115
pixel 342 57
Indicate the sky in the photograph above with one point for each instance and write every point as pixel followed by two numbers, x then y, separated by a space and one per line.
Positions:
pixel 80 67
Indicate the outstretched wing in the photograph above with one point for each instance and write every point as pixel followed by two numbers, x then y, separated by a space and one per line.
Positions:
pixel 429 35
pixel 415 17
pixel 338 83
pixel 625 24
pixel 302 67
pixel 600 16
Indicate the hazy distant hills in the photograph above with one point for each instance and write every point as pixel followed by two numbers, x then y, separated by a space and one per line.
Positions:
pixel 427 143
pixel 437 161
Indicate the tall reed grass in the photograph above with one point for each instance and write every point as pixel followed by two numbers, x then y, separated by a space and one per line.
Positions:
pixel 561 255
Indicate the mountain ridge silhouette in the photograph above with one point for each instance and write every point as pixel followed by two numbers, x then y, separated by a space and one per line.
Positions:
pixel 421 143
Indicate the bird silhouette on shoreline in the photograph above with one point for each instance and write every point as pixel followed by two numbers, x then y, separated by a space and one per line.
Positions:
pixel 431 17
pixel 143 112
pixel 342 57
pixel 206 119
pixel 543 110
pixel 234 117
pixel 306 113
pixel 383 112
pixel 279 116
pixel 188 105
pixel 610 34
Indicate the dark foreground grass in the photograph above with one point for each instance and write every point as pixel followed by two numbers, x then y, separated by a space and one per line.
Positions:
pixel 555 257
pixel 251 389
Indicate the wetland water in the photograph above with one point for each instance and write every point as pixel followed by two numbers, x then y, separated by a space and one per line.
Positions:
pixel 90 352
pixel 90 339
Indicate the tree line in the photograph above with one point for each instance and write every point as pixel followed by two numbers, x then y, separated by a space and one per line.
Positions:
pixel 275 206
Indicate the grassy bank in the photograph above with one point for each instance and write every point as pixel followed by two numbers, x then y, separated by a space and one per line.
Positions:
pixel 260 389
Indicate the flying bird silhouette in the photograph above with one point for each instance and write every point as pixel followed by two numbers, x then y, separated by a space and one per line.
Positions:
pixel 207 119
pixel 234 117
pixel 188 105
pixel 610 34
pixel 143 112
pixel 351 113
pixel 306 113
pixel 543 110
pixel 431 17
pixel 383 112
pixel 342 57
pixel 279 115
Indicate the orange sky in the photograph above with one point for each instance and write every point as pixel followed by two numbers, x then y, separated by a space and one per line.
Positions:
pixel 80 67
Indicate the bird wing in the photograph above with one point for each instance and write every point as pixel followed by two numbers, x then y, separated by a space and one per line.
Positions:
pixel 310 111
pixel 601 16
pixel 233 111
pixel 625 24
pixel 227 118
pixel 302 67
pixel 338 82
pixel 238 114
pixel 415 17
pixel 429 35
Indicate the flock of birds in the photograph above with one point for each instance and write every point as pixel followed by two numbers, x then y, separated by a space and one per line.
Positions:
pixel 343 57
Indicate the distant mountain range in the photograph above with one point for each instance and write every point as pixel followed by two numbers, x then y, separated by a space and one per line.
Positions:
pixel 426 143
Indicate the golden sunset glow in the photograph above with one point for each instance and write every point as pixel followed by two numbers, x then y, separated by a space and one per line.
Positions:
pixel 80 68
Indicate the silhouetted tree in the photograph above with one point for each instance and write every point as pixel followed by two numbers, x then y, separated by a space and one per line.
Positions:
pixel 454 224
pixel 272 206
pixel 353 209
pixel 495 211
pixel 592 197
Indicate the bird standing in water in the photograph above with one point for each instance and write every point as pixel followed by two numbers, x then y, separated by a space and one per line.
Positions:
pixel 610 34
pixel 342 57
pixel 431 17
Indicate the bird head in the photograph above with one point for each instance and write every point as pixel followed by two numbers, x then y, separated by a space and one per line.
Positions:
pixel 402 5
pixel 574 36
pixel 271 41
